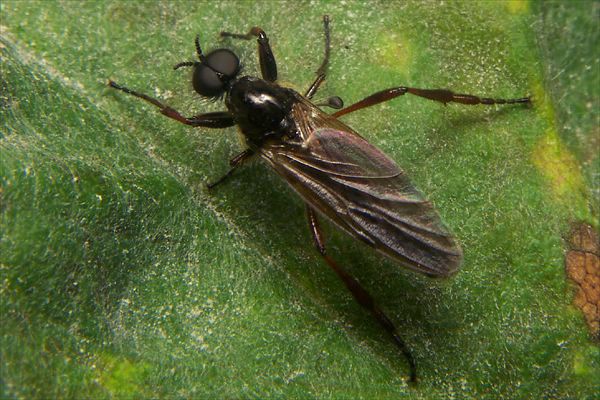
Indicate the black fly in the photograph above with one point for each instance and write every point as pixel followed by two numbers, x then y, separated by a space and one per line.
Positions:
pixel 337 173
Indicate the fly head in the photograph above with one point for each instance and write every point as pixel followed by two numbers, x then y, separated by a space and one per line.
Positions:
pixel 215 71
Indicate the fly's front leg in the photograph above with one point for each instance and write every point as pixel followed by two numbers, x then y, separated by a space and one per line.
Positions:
pixel 360 294
pixel 442 95
pixel 219 119
pixel 268 66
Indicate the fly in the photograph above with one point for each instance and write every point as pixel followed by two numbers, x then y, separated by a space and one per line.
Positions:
pixel 335 171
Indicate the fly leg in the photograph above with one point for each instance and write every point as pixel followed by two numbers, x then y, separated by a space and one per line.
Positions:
pixel 268 66
pixel 220 119
pixel 360 294
pixel 208 120
pixel 442 95
pixel 233 163
pixel 322 71
pixel 334 101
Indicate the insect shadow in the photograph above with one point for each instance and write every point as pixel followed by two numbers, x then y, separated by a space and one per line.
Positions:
pixel 336 172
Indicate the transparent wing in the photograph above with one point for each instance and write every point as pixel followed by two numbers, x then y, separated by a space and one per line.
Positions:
pixel 363 191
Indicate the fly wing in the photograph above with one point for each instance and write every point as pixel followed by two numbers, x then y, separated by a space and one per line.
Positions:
pixel 363 191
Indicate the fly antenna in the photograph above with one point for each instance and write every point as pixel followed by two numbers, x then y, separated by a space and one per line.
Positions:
pixel 184 64
pixel 198 52
pixel 198 48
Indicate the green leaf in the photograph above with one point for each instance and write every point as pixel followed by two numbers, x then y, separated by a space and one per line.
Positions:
pixel 123 277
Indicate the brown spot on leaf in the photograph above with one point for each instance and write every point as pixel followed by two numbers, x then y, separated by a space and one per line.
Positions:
pixel 583 267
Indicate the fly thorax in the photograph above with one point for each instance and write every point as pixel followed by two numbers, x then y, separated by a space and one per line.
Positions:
pixel 261 108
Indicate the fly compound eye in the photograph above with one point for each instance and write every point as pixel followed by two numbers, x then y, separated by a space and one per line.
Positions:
pixel 215 71
pixel 213 74
pixel 223 61
pixel 206 82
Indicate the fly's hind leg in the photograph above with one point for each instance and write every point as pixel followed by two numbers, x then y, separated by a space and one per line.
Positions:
pixel 441 95
pixel 360 294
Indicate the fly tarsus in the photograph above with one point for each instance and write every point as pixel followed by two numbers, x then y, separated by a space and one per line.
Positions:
pixel 359 293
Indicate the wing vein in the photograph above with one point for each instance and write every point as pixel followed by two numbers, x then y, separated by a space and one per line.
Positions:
pixel 363 191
